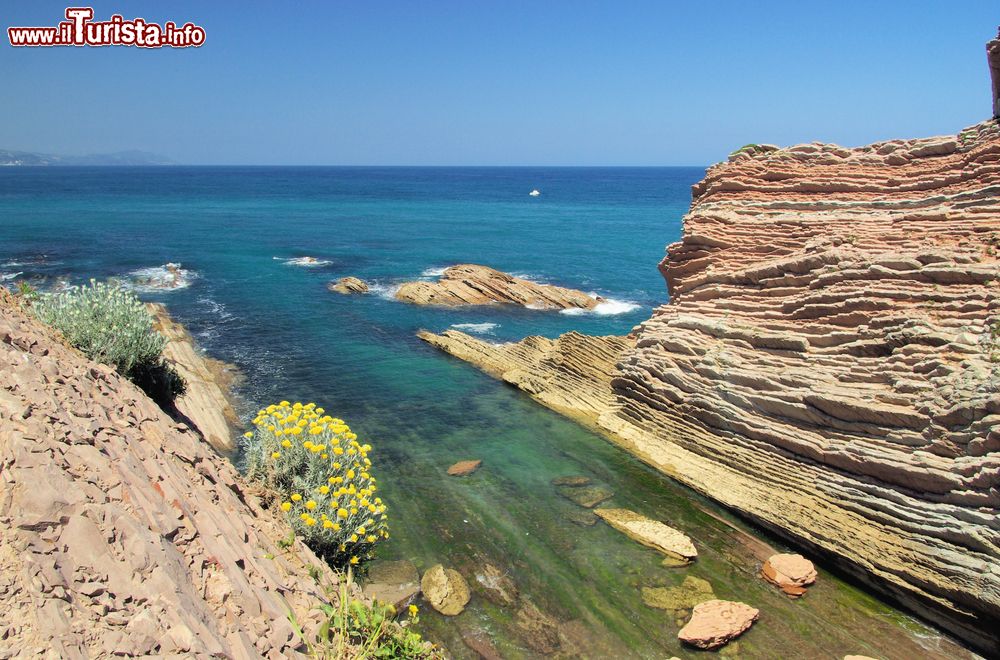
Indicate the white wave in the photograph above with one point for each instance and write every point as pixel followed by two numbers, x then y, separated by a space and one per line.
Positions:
pixel 168 277
pixel 387 291
pixel 436 271
pixel 478 328
pixel 9 276
pixel 609 307
pixel 307 262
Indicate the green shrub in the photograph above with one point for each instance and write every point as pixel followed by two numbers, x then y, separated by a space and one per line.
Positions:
pixel 352 629
pixel 111 325
pixel 322 477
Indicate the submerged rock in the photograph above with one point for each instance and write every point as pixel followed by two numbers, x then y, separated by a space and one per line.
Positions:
pixel 571 481
pixel 650 533
pixel 348 285
pixel 789 572
pixel 394 583
pixel 586 496
pixel 716 622
pixel 445 589
pixel 582 517
pixel 464 468
pixel 469 284
pixel 540 631
pixel 496 585
pixel 689 593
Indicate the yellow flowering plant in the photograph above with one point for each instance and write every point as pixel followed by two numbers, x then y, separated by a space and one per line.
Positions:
pixel 322 475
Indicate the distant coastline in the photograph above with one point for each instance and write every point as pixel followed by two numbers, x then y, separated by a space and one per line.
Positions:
pixel 10 158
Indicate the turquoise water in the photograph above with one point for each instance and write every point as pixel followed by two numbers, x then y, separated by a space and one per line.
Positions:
pixel 235 231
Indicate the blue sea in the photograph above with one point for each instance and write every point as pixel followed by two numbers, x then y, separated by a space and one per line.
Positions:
pixel 249 296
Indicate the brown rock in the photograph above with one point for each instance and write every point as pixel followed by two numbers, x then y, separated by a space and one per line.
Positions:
pixel 479 642
pixel 445 589
pixel 464 468
pixel 497 585
pixel 540 631
pixel 650 533
pixel 468 284
pixel 394 583
pixel 571 481
pixel 790 573
pixel 585 496
pixel 857 657
pixel 348 285
pixel 206 403
pixel 716 622
pixel 105 495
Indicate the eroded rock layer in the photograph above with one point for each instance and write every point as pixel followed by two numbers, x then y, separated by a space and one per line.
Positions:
pixel 123 532
pixel 829 363
pixel 469 284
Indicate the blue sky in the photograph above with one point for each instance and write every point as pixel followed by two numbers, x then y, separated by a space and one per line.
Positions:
pixel 491 82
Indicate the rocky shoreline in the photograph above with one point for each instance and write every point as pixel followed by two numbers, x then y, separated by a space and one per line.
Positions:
pixel 827 365
pixel 124 533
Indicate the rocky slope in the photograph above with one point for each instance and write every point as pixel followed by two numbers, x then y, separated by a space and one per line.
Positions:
pixel 468 284
pixel 121 531
pixel 829 363
pixel 205 403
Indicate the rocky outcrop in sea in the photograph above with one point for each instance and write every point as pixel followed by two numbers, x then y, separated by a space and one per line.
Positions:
pixel 828 365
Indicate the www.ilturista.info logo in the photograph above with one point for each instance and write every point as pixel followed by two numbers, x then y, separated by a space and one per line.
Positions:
pixel 80 30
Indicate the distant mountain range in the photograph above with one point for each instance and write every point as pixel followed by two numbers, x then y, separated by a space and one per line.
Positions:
pixel 27 158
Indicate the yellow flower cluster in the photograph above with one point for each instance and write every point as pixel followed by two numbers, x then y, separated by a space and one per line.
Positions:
pixel 323 474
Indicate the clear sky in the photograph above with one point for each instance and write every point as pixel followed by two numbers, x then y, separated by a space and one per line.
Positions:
pixel 500 82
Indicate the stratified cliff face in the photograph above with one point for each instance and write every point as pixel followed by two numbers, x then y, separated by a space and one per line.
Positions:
pixel 829 363
pixel 122 532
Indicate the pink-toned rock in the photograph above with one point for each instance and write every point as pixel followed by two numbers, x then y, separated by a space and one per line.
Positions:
pixel 464 468
pixel 790 573
pixel 717 622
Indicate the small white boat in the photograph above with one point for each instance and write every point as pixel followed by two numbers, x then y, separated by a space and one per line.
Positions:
pixel 535 193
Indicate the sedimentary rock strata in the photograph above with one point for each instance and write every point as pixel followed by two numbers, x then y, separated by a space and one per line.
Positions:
pixel 829 363
pixel 468 284
pixel 348 285
pixel 121 531
pixel 205 403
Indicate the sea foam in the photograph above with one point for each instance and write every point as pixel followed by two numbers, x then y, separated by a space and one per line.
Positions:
pixel 306 262
pixel 168 277
pixel 477 328
pixel 610 307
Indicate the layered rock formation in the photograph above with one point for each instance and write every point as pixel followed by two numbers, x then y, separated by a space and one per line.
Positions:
pixel 828 365
pixel 468 284
pixel 348 285
pixel 121 531
pixel 205 402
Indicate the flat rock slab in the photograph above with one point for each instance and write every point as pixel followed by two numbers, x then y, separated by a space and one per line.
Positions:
pixel 395 583
pixel 464 468
pixel 789 572
pixel 650 533
pixel 571 481
pixel 445 589
pixel 717 622
pixel 689 593
pixel 586 496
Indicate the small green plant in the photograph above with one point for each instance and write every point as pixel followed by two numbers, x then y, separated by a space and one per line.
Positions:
pixel 745 148
pixel 356 630
pixel 321 475
pixel 111 325
pixel 25 292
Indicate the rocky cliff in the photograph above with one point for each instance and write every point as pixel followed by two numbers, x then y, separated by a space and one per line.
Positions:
pixel 829 363
pixel 123 532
